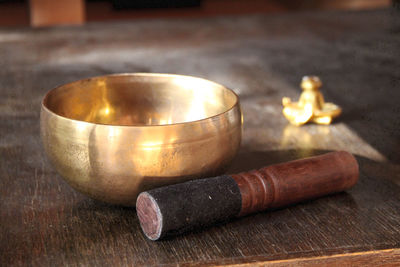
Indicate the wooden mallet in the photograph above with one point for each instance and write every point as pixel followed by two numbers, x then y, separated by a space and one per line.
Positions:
pixel 175 209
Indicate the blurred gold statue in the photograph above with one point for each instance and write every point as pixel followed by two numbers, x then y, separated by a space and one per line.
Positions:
pixel 311 105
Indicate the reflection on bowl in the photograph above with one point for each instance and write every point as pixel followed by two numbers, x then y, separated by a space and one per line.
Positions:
pixel 112 137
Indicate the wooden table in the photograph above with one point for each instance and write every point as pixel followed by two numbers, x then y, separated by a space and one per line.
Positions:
pixel 46 223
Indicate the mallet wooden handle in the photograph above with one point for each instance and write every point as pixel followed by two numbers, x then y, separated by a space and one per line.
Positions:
pixel 175 209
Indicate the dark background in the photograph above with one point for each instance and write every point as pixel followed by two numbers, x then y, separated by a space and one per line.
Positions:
pixel 21 12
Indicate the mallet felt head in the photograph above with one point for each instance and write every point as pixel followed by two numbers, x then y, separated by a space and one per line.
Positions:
pixel 150 216
pixel 175 209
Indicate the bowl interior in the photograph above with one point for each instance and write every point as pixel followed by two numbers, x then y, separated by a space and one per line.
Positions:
pixel 140 99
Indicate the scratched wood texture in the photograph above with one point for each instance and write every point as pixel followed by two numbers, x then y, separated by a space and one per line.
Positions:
pixel 43 222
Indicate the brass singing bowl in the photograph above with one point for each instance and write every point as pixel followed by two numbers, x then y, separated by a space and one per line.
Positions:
pixel 112 137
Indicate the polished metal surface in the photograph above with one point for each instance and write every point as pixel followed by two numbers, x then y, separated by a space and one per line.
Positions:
pixel 311 106
pixel 112 137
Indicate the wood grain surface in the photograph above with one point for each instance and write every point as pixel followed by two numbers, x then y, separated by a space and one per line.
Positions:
pixel 46 223
pixel 288 183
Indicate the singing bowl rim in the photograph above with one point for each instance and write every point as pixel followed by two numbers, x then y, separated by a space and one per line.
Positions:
pixel 48 110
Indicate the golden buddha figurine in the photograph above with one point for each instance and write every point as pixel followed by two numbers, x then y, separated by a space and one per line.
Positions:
pixel 311 105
